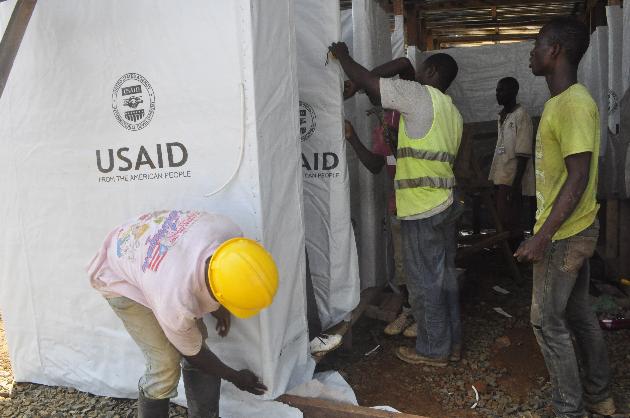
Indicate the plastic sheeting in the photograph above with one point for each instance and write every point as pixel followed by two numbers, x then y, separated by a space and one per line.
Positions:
pixel 593 73
pixel 625 64
pixel 6 8
pixel 211 119
pixel 480 68
pixel 329 235
pixel 614 16
pixel 371 47
pixel 398 37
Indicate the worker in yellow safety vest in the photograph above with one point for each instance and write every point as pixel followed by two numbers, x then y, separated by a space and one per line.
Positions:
pixel 429 135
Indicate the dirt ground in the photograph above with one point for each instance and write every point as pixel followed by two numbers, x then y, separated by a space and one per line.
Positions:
pixel 511 378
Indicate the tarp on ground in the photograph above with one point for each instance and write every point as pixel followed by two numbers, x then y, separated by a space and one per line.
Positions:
pixel 371 47
pixel 480 68
pixel 329 235
pixel 213 102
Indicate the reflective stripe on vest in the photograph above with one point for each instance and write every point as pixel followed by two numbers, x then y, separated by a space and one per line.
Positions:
pixel 426 155
pixel 435 182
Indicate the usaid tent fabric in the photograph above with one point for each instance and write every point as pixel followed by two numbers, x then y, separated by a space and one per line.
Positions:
pixel 115 108
pixel 480 68
pixel 371 47
pixel 6 8
pixel 329 236
pixel 593 73
pixel 398 37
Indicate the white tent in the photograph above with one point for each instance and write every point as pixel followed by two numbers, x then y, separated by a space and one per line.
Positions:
pixel 223 112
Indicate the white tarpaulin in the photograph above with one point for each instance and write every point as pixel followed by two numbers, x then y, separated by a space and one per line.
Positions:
pixel 78 159
pixel 480 68
pixel 398 37
pixel 329 236
pixel 371 47
pixel 625 64
pixel 593 73
pixel 6 8
pixel 614 17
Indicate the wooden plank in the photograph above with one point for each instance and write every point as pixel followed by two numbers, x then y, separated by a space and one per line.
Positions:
pixel 12 38
pixel 484 243
pixel 398 7
pixel 481 4
pixel 320 408
pixel 484 38
pixel 411 25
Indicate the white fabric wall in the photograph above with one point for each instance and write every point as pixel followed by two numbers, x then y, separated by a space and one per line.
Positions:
pixel 398 37
pixel 372 47
pixel 57 207
pixel 614 16
pixel 480 68
pixel 6 8
pixel 593 73
pixel 329 235
pixel 625 64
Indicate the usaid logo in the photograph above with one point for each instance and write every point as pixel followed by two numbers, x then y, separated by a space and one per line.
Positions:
pixel 133 101
pixel 308 120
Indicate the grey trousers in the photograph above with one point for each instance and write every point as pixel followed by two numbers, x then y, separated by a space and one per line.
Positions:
pixel 429 247
pixel 560 310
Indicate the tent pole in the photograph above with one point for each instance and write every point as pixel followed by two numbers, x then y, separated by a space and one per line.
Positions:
pixel 13 38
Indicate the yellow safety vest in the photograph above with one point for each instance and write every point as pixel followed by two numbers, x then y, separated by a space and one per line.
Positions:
pixel 424 166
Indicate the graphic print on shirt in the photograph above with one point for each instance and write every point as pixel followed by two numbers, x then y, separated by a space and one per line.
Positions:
pixel 165 229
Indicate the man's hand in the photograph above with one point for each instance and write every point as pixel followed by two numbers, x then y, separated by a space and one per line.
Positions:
pixel 349 89
pixel 348 130
pixel 533 249
pixel 339 49
pixel 223 321
pixel 249 382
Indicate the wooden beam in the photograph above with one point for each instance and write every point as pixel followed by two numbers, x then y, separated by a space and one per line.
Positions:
pixel 506 22
pixel 320 408
pixel 411 25
pixel 399 7
pixel 12 38
pixel 486 38
pixel 481 4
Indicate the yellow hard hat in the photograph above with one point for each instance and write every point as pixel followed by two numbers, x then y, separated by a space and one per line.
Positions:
pixel 243 277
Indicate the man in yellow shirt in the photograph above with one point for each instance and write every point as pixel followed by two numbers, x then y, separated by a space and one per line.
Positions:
pixel 566 230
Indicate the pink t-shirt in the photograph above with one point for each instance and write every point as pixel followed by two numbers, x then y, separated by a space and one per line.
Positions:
pixel 158 260
pixel 381 147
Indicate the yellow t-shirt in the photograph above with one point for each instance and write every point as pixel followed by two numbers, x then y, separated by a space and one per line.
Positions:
pixel 569 125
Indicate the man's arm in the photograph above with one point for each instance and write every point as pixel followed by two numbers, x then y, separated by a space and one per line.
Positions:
pixel 578 166
pixel 365 79
pixel 520 170
pixel 371 161
pixel 208 362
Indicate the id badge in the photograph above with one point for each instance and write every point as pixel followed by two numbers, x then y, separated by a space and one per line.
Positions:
pixel 501 150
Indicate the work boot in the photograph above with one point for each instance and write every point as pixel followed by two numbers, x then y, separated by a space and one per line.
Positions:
pixel 409 355
pixel 399 324
pixel 202 393
pixel 605 407
pixel 411 331
pixel 152 408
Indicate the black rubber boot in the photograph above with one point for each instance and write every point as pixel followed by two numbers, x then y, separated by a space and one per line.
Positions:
pixel 152 408
pixel 202 392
